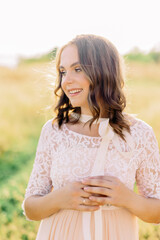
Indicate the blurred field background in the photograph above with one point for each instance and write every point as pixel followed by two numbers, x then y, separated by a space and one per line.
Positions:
pixel 26 96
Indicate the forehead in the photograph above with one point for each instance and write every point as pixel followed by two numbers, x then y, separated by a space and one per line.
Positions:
pixel 69 56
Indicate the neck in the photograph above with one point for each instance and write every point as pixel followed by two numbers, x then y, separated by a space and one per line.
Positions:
pixel 87 117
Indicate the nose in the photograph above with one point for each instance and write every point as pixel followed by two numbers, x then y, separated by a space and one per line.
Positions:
pixel 68 77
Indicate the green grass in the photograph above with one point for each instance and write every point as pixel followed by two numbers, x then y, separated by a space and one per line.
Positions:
pixel 12 222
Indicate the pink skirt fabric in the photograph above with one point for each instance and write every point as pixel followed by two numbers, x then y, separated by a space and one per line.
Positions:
pixel 118 224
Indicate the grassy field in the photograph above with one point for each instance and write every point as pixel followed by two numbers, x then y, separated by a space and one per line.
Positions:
pixel 26 99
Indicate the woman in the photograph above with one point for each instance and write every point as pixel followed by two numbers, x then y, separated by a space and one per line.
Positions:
pixel 89 157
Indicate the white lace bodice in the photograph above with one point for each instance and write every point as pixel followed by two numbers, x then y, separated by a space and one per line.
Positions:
pixel 63 156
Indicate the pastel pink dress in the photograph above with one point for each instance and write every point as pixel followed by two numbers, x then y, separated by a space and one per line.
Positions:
pixel 64 156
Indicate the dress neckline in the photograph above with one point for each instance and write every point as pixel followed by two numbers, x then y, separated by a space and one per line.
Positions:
pixel 85 118
pixel 103 122
pixel 80 134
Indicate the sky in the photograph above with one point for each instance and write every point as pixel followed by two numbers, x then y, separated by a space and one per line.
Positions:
pixel 31 27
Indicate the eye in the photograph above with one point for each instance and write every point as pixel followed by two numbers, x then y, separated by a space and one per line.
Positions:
pixel 78 69
pixel 62 72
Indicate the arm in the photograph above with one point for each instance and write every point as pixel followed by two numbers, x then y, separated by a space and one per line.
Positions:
pixel 148 180
pixel 69 197
pixel 39 207
pixel 40 201
pixel 40 182
pixel 147 209
pixel 145 206
pixel 117 194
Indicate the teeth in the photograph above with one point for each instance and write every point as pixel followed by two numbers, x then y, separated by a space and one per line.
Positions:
pixel 74 91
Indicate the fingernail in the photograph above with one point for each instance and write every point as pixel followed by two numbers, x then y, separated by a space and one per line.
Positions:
pixel 91 198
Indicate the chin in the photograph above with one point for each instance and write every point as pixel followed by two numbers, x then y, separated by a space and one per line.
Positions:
pixel 78 104
pixel 75 105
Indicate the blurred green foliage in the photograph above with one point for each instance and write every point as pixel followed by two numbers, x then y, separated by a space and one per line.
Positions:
pixel 41 58
pixel 134 55
pixel 139 56
pixel 13 225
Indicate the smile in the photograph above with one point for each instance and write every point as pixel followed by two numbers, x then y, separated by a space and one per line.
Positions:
pixel 75 91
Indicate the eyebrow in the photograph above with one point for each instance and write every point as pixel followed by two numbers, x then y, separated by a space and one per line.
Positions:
pixel 72 65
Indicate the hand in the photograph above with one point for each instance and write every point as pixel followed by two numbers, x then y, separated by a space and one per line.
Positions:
pixel 110 189
pixel 73 196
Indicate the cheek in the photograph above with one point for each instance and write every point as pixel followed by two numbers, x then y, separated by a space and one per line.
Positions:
pixel 87 87
pixel 85 82
pixel 63 86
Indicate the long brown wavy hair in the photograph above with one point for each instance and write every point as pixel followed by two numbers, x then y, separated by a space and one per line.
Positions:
pixel 102 64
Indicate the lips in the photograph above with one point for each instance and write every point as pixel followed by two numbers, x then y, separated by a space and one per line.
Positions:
pixel 75 91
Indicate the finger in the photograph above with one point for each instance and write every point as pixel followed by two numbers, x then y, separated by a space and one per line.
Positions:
pixel 101 200
pixel 98 182
pixel 98 190
pixel 84 194
pixel 107 178
pixel 88 202
pixel 88 208
pixel 80 185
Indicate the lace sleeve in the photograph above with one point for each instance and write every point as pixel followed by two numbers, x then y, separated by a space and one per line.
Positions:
pixel 148 173
pixel 40 182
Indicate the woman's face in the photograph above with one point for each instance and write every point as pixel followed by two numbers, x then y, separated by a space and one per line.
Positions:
pixel 74 83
